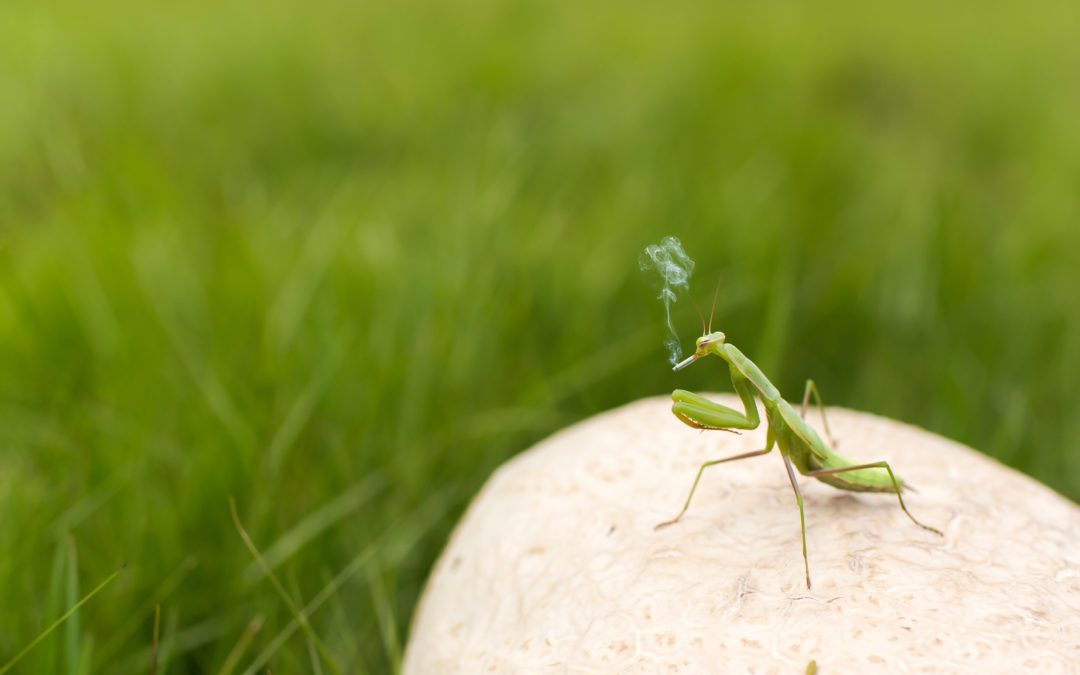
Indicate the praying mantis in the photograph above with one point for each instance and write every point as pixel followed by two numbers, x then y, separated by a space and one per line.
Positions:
pixel 800 446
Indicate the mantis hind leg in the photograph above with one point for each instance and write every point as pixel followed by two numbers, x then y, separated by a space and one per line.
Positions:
pixel 802 514
pixel 701 470
pixel 811 388
pixel 892 477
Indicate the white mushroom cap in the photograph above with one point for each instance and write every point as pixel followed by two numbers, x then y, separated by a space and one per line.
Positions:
pixel 556 566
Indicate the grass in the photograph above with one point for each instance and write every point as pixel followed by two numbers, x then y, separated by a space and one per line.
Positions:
pixel 339 261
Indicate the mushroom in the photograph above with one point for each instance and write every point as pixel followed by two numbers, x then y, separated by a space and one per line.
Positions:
pixel 556 566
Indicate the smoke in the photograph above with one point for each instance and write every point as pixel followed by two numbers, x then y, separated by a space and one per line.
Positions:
pixel 675 267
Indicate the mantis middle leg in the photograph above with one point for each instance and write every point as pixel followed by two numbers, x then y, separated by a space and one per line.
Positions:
pixel 747 455
pixel 811 388
pixel 892 477
pixel 802 514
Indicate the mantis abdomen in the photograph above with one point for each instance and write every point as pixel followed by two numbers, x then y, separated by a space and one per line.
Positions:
pixel 858 480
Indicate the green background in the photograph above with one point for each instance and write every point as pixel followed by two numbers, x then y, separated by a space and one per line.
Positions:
pixel 341 260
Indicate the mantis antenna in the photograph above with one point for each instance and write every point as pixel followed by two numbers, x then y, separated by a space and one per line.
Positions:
pixel 716 292
pixel 700 315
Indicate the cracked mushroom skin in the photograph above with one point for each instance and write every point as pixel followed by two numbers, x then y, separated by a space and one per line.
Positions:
pixel 555 567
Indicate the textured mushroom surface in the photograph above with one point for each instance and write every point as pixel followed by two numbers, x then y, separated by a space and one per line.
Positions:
pixel 556 566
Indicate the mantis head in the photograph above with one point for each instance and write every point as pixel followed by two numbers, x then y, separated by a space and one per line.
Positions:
pixel 706 344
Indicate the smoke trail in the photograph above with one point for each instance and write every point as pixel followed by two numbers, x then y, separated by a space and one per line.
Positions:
pixel 675 267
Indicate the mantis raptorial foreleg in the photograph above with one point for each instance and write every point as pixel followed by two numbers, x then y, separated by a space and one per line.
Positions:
pixel 802 514
pixel 892 477
pixel 701 413
pixel 706 465
pixel 811 388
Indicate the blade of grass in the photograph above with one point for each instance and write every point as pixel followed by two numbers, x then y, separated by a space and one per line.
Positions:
pixel 53 626
pixel 294 585
pixel 71 629
pixel 86 655
pixel 219 400
pixel 314 658
pixel 384 613
pixel 288 544
pixel 154 644
pixel 286 598
pixel 347 637
pixel 55 603
pixel 164 589
pixel 168 644
pixel 175 642
pixel 233 658
pixel 304 406
pixel 413 526
pixel 88 505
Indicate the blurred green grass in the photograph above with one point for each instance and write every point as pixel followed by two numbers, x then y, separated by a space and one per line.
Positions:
pixel 340 261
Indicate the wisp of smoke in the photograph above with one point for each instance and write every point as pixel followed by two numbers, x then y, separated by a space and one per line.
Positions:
pixel 675 267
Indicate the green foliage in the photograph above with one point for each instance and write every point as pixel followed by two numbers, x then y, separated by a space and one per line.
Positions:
pixel 340 260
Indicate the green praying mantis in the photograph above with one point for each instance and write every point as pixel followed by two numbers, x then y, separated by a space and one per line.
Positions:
pixel 800 446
